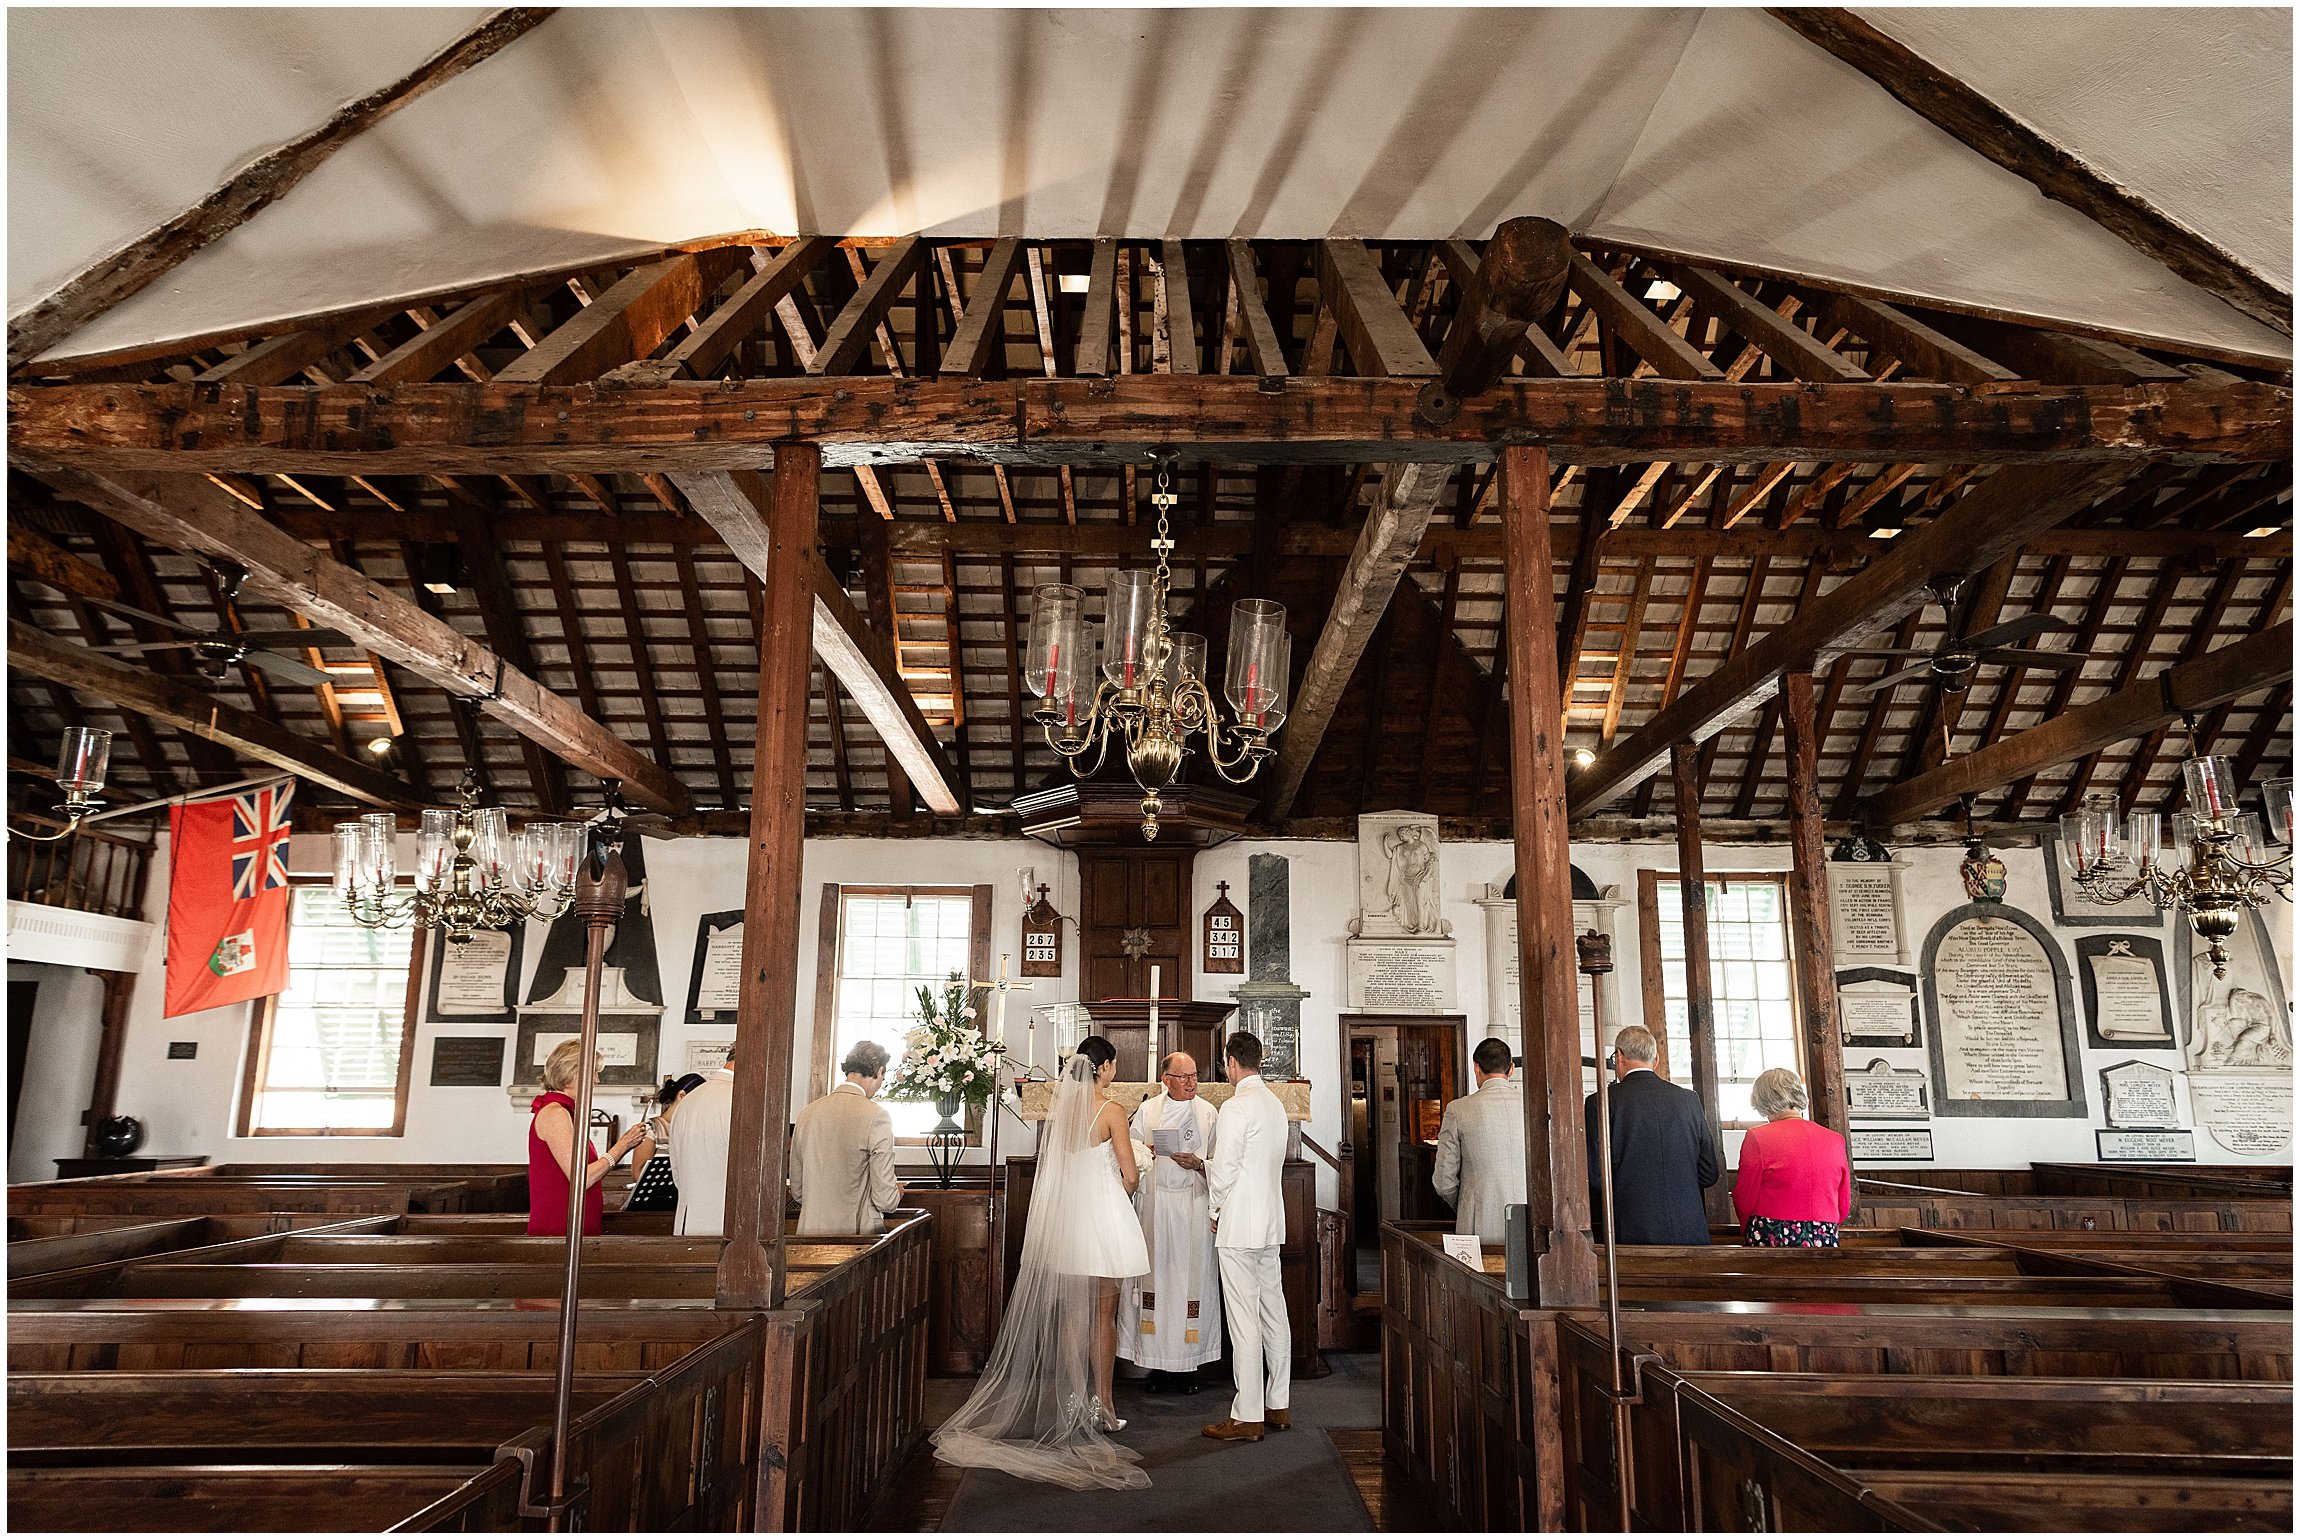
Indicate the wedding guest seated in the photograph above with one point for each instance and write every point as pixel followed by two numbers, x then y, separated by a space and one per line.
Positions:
pixel 1795 1186
pixel 551 1148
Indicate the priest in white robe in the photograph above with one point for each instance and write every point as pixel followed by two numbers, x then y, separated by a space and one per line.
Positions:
pixel 1170 1320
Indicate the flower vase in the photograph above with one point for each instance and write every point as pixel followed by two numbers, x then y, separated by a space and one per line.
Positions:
pixel 945 1139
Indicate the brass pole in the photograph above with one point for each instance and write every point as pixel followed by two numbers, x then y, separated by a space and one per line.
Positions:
pixel 1594 950
pixel 600 887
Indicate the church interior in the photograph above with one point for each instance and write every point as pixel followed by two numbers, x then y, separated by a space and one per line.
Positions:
pixel 1405 563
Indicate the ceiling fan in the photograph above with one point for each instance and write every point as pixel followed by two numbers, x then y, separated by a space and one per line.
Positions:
pixel 215 652
pixel 1949 666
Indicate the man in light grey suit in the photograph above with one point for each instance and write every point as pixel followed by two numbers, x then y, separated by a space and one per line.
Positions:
pixel 842 1153
pixel 1246 1196
pixel 1481 1147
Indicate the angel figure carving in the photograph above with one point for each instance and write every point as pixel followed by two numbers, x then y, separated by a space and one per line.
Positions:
pixel 1413 884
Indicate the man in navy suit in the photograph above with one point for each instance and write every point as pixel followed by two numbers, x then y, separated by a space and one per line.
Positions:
pixel 1662 1157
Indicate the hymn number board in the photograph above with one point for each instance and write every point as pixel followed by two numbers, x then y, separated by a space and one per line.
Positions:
pixel 1041 939
pixel 1225 945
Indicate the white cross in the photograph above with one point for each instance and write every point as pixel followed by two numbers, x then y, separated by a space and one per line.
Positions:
pixel 1000 987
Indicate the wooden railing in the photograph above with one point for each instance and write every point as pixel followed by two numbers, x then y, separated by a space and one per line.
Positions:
pixel 95 871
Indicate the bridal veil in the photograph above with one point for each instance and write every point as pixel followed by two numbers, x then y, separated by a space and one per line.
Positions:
pixel 1032 1415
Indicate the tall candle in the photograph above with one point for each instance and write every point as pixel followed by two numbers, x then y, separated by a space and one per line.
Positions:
pixel 1153 1007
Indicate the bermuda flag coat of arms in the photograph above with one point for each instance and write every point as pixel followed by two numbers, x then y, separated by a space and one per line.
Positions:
pixel 228 898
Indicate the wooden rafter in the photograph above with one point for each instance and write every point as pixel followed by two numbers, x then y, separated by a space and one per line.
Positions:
pixel 191 515
pixel 1978 529
pixel 1971 118
pixel 2259 661
pixel 143 261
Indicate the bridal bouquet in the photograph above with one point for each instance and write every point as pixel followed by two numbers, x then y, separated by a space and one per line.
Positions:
pixel 945 1056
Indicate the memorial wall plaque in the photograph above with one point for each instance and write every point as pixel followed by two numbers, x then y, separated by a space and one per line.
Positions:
pixel 1398 892
pixel 1877 1008
pixel 467 1061
pixel 476 980
pixel 2148 1145
pixel 1401 977
pixel 1881 1091
pixel 2003 1023
pixel 2138 1095
pixel 2237 1020
pixel 2127 997
pixel 1865 911
pixel 2245 1112
pixel 715 984
pixel 704 1057
pixel 1890 1146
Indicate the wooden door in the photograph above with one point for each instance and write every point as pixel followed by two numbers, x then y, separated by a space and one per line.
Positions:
pixel 1124 890
pixel 1426 1082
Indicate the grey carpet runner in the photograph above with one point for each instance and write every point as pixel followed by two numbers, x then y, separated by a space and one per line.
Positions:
pixel 1291 1481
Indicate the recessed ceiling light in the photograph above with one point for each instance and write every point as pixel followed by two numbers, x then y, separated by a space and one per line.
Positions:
pixel 1663 290
pixel 1072 283
pixel 1885 532
pixel 2263 532
pixel 439 588
pixel 379 745
pixel 1583 758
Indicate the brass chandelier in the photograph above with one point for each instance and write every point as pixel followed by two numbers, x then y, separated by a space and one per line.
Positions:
pixel 471 872
pixel 2217 866
pixel 1152 693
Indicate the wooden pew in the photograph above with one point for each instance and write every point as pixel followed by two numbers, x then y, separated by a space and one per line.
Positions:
pixel 157 1194
pixel 64 1249
pixel 252 1498
pixel 1692 1434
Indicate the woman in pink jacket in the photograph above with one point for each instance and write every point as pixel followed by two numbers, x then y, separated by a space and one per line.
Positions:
pixel 1795 1185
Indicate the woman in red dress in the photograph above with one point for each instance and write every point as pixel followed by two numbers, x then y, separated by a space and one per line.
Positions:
pixel 1795 1185
pixel 551 1148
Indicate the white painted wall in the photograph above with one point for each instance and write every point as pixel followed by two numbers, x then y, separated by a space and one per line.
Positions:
pixel 59 1067
pixel 189 1105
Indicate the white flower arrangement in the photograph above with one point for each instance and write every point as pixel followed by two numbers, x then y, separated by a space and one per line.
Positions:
pixel 946 1054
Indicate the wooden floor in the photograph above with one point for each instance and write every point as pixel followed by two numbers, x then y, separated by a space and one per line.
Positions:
pixel 1380 1484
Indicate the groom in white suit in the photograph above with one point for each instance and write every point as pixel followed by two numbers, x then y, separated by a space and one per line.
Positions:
pixel 1247 1199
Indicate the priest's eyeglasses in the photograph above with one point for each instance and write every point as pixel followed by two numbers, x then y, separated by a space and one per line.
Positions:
pixel 1183 1079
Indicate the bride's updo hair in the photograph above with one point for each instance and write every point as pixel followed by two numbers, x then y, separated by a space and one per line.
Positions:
pixel 1097 1051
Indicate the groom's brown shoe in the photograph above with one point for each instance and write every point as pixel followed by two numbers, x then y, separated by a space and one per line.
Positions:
pixel 1277 1418
pixel 1231 1430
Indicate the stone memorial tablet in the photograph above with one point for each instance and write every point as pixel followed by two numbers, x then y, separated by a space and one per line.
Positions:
pixel 1881 1091
pixel 2150 1145
pixel 467 1061
pixel 2003 1023
pixel 1890 1146
pixel 477 980
pixel 715 986
pixel 2138 1095
pixel 2127 999
pixel 1877 1008
pixel 1865 911
pixel 2245 1113
pixel 1401 977
pixel 704 1057
pixel 2237 1018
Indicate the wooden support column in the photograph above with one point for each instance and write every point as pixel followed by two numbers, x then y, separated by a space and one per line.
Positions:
pixel 1556 1164
pixel 751 1264
pixel 111 1047
pixel 1700 996
pixel 1813 947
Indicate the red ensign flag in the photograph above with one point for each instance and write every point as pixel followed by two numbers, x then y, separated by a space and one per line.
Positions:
pixel 228 899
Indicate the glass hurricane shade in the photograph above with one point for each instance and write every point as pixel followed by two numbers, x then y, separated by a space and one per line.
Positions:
pixel 2211 788
pixel 1057 634
pixel 1130 601
pixel 2276 798
pixel 83 762
pixel 1189 655
pixel 539 860
pixel 434 849
pixel 1259 669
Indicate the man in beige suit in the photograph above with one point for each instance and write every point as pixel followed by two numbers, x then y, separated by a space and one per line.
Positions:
pixel 842 1153
pixel 1246 1193
pixel 1481 1147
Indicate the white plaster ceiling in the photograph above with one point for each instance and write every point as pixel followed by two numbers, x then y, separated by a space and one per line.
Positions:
pixel 606 131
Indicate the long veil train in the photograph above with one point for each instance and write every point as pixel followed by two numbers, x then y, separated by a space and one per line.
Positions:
pixel 1032 1414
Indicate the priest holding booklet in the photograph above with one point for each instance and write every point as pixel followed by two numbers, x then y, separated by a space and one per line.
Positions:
pixel 1170 1320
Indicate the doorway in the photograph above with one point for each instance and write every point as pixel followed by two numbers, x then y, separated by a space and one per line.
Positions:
pixel 1401 1072
pixel 22 995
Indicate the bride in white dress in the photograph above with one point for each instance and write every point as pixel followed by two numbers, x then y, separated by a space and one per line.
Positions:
pixel 1045 1398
